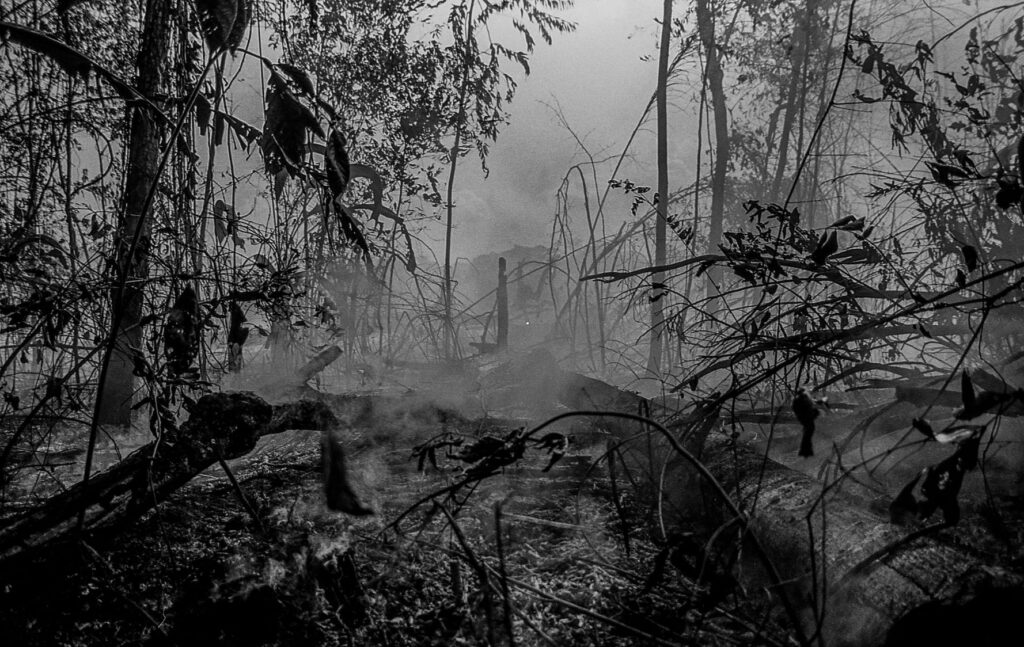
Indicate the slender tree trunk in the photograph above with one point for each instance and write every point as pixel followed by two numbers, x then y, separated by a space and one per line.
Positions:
pixel 713 75
pixel 143 162
pixel 449 327
pixel 661 218
pixel 502 334
pixel 801 35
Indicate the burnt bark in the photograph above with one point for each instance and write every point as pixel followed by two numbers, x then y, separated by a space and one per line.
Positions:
pixel 222 426
pixel 133 237
pixel 854 575
pixel 851 575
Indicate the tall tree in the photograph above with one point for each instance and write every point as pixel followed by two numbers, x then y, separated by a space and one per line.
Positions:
pixel 661 219
pixel 133 236
pixel 713 78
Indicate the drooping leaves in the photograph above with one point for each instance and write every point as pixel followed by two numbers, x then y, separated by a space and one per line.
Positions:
pixel 337 164
pixel 220 226
pixel 225 223
pixel 410 258
pixel 942 482
pixel 299 77
pixel 376 185
pixel 827 245
pixel 922 425
pixel 285 130
pixel 904 509
pixel 224 22
pixel 181 333
pixel 970 257
pixel 204 110
pixel 947 175
pixel 806 413
pixel 967 391
pixel 73 62
pixel 351 230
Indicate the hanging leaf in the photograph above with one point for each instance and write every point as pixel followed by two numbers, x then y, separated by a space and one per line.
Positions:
pixel 242 19
pixel 222 216
pixel 299 77
pixel 73 62
pixel 827 245
pixel 942 482
pixel 245 133
pixel 181 332
pixel 337 164
pixel 284 133
pixel 946 175
pixel 224 22
pixel 376 185
pixel 904 509
pixel 350 229
pixel 263 262
pixel 204 110
pixel 922 425
pixel 967 391
pixel 970 257
pixel 410 258
pixel 1009 193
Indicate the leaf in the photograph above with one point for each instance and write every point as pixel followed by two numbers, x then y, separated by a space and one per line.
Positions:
pixel 967 391
pixel 376 185
pixel 827 245
pixel 284 133
pixel 204 110
pixel 336 164
pixel 221 217
pixel 299 77
pixel 263 262
pixel 1009 193
pixel 245 133
pixel 970 257
pixel 904 508
pixel 944 174
pixel 350 229
pixel 922 425
pixel 73 62
pixel 224 22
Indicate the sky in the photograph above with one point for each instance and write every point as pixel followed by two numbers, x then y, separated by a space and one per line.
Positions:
pixel 597 77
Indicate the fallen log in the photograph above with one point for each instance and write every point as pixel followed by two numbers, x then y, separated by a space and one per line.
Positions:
pixel 322 360
pixel 855 575
pixel 855 578
pixel 222 426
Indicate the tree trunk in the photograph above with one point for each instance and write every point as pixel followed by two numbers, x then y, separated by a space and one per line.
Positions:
pixel 713 74
pixel 661 218
pixel 222 426
pixel 502 307
pixel 132 260
pixel 800 42
pixel 844 568
pixel 855 577
pixel 450 342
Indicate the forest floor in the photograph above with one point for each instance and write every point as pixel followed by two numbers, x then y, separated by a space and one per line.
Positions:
pixel 200 570
pixel 575 561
